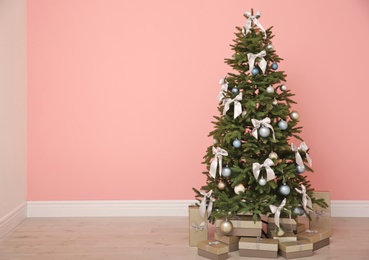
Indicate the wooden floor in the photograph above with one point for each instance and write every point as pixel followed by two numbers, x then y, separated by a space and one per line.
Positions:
pixel 146 238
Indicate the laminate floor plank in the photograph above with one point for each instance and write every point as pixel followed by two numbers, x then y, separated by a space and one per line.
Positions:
pixel 147 238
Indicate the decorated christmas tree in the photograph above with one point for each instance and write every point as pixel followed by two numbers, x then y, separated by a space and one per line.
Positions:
pixel 258 163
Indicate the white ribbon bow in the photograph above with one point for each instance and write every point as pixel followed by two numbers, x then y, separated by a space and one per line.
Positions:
pixel 253 18
pixel 262 63
pixel 277 212
pixel 198 227
pixel 306 200
pixel 203 209
pixel 303 147
pixel 256 123
pixel 237 105
pixel 223 89
pixel 267 163
pixel 218 156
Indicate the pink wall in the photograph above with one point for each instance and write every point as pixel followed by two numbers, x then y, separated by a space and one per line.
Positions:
pixel 121 93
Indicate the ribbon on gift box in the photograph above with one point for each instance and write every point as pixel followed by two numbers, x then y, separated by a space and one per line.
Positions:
pixel 303 147
pixel 262 62
pixel 203 209
pixel 223 89
pixel 198 227
pixel 320 214
pixel 257 123
pixel 214 243
pixel 218 157
pixel 277 212
pixel 267 163
pixel 306 200
pixel 250 19
pixel 237 105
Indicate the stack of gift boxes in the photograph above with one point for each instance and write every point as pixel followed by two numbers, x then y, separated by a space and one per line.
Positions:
pixel 250 240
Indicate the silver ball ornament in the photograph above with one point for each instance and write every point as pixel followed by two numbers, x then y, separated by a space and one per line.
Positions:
pixel 237 143
pixel 239 188
pixel 283 124
pixel 234 90
pixel 273 155
pixel 264 131
pixel 226 227
pixel 270 89
pixel 221 185
pixel 298 211
pixel 262 182
pixel 284 190
pixel 294 115
pixel 226 172
pixel 254 71
pixel 283 87
pixel 300 169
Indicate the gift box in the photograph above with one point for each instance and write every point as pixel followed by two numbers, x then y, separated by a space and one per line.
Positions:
pixel 295 249
pixel 321 217
pixel 198 226
pixel 242 226
pixel 287 224
pixel 231 241
pixel 300 227
pixel 318 237
pixel 212 250
pixel 288 236
pixel 258 247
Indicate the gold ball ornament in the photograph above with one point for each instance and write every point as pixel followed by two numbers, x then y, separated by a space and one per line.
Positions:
pixel 280 232
pixel 221 185
pixel 226 227
pixel 275 102
pixel 294 115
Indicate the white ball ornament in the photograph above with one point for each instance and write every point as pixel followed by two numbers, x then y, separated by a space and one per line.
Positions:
pixel 283 124
pixel 262 182
pixel 239 188
pixel 270 89
pixel 283 87
pixel 237 143
pixel 275 102
pixel 273 156
pixel 269 46
pixel 264 131
pixel 226 227
pixel 284 190
pixel 226 172
pixel 294 115
pixel 215 141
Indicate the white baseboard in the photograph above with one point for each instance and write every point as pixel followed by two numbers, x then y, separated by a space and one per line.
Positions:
pixel 12 219
pixel 340 208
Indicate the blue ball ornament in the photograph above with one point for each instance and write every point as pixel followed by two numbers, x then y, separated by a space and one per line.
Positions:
pixel 255 71
pixel 237 143
pixel 300 169
pixel 234 90
pixel 284 190
pixel 282 125
pixel 274 66
pixel 226 172
pixel 264 131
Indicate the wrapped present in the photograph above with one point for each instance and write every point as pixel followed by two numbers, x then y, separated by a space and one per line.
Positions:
pixel 295 249
pixel 318 237
pixel 258 247
pixel 288 236
pixel 231 241
pixel 288 224
pixel 300 227
pixel 321 217
pixel 198 226
pixel 242 226
pixel 212 250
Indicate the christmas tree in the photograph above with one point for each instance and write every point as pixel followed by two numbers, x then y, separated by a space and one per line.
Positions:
pixel 258 162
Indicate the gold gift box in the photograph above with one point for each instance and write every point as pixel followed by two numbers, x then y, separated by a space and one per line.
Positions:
pixel 318 237
pixel 231 241
pixel 197 233
pixel 295 249
pixel 257 247
pixel 321 217
pixel 212 250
